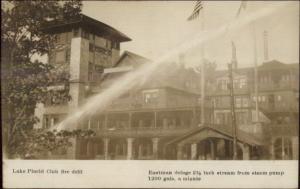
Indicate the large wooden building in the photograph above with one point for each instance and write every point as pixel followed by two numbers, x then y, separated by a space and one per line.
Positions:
pixel 161 117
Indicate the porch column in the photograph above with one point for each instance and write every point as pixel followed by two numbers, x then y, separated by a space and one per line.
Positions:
pixel 141 123
pixel 212 149
pixel 155 118
pixel 194 151
pixel 72 150
pixel 95 146
pixel 140 148
pixel 89 123
pixel 105 120
pixel 194 120
pixel 98 124
pixel 106 142
pixel 282 149
pixel 230 150
pixel 246 152
pixel 90 149
pixel 155 147
pixel 165 123
pixel 129 148
pixel 129 119
pixel 51 121
pixel 272 150
pixel 182 122
pixel 179 151
pixel 295 147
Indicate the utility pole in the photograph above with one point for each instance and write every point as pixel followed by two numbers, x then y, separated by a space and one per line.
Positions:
pixel 202 51
pixel 233 118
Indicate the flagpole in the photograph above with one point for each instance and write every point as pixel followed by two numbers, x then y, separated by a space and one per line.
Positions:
pixel 202 72
pixel 255 74
pixel 232 107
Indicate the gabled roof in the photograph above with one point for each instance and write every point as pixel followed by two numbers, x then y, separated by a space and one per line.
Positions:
pixel 134 58
pixel 242 137
pixel 88 23
pixel 265 66
pixel 274 64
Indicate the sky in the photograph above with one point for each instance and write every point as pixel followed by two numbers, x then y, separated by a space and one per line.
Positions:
pixel 155 27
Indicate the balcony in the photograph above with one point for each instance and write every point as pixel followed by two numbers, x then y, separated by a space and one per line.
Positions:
pixel 285 129
pixel 141 132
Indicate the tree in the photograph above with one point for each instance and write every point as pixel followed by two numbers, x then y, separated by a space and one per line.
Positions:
pixel 25 81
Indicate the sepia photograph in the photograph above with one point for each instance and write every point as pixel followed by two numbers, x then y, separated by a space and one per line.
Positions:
pixel 150 80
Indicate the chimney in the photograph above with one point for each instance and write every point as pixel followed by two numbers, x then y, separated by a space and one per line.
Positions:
pixel 181 59
pixel 266 48
pixel 233 56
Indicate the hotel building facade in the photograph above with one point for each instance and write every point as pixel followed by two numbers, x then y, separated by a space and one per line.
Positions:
pixel 161 117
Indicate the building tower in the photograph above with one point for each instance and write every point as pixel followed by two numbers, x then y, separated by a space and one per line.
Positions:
pixel 83 48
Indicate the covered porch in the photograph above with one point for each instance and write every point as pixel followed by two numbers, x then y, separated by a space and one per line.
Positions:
pixel 209 143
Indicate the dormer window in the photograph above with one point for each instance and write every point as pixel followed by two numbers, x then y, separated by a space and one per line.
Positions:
pixel 150 96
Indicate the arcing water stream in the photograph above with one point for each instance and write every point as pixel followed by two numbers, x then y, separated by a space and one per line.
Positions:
pixel 100 101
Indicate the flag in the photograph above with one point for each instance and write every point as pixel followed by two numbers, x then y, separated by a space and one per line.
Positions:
pixel 196 11
pixel 242 6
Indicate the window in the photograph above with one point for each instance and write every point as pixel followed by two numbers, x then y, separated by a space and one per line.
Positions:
pixel 279 97
pixel 245 102
pixel 100 42
pixel 150 96
pixel 224 84
pixel 60 56
pixel 47 122
pixel 68 56
pixel 115 45
pixel 85 34
pixel 76 32
pixel 241 118
pixel 285 77
pixel 57 38
pixel 55 120
pixel 91 69
pixel 99 148
pixel 199 100
pixel 108 44
pixel 99 68
pixel 259 98
pixel 243 83
pixel 220 118
pixel 264 79
pixel 238 102
pixel 263 98
pixel 92 37
pixel 91 47
pixel 236 84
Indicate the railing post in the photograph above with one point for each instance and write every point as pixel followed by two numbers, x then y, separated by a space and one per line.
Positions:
pixel 155 118
pixel 155 147
pixel 129 148
pixel 105 120
pixel 129 119
pixel 106 142
pixel 194 151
